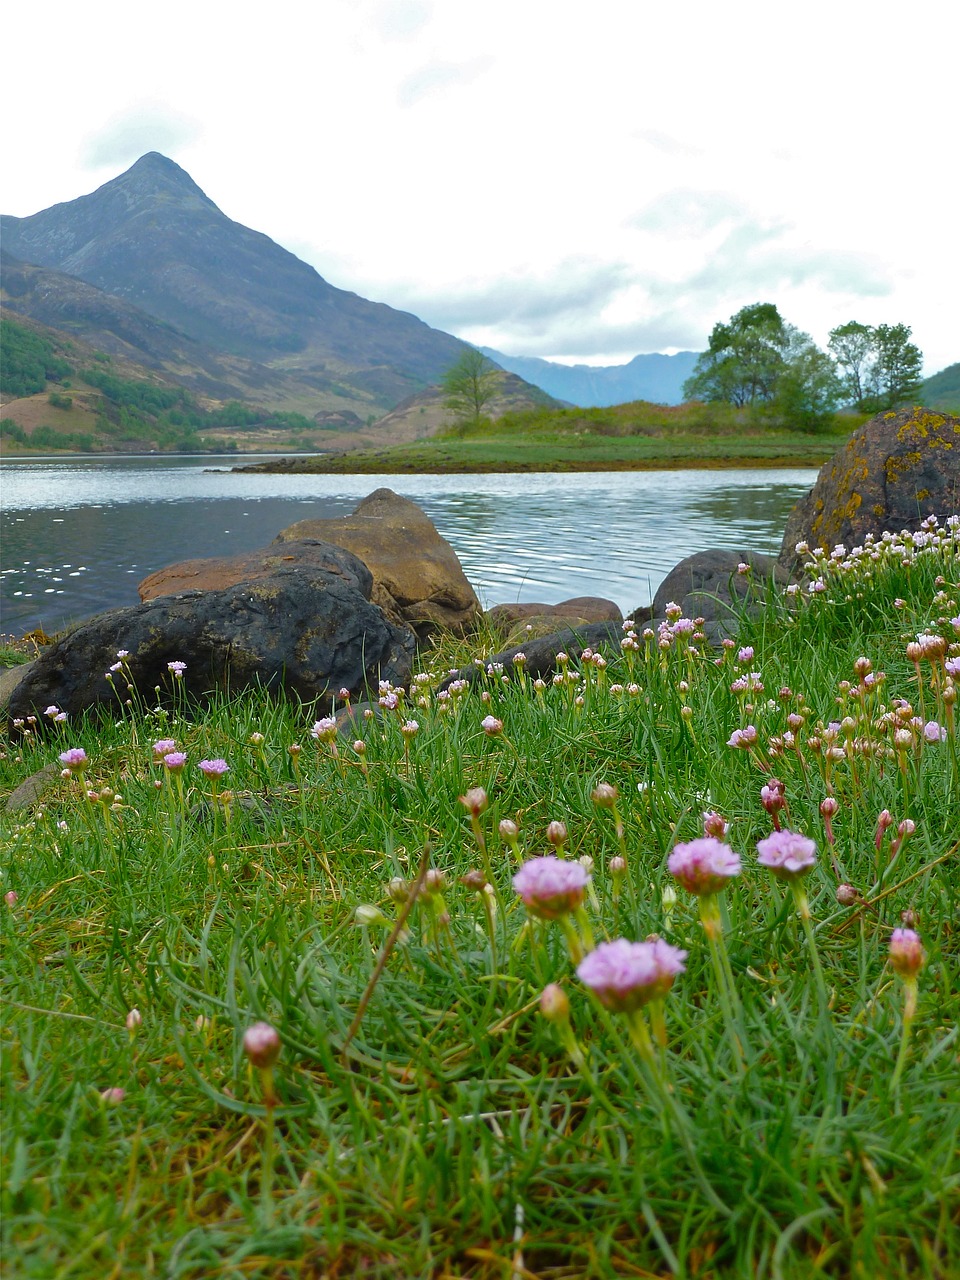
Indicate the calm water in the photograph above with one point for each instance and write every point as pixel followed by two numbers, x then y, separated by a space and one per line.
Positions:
pixel 78 535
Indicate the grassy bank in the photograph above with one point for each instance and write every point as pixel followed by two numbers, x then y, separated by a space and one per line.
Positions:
pixel 636 436
pixel 779 1111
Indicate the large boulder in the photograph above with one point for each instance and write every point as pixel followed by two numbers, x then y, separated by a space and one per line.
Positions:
pixel 417 578
pixel 301 631
pixel 717 586
pixel 541 654
pixel 890 475
pixel 219 572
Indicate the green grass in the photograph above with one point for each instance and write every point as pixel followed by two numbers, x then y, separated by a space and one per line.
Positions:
pixel 631 436
pixel 430 1120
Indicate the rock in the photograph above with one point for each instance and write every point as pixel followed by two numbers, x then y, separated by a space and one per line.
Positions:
pixel 709 585
pixel 517 621
pixel 10 677
pixel 541 654
pixel 417 578
pixel 32 789
pixel 302 631
pixel 218 572
pixel 899 468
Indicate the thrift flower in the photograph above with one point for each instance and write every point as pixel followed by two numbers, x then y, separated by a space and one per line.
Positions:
pixel 703 866
pixel 788 854
pixel 75 759
pixel 491 726
pixel 175 760
pixel 475 800
pixel 177 669
pixel 624 975
pixel 261 1044
pixel 213 769
pixel 907 955
pixel 551 887
pixel 163 747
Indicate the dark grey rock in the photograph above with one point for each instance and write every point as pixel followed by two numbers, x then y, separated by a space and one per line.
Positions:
pixel 709 585
pixel 32 789
pixel 304 632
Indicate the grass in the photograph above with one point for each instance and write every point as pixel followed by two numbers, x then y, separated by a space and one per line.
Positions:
pixel 429 1119
pixel 636 436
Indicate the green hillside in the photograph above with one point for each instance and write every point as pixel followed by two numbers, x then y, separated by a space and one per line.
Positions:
pixel 942 391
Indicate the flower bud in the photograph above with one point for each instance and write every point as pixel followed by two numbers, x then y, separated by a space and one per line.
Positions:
pixel 556 834
pixel 133 1020
pixel 906 953
pixel 604 795
pixel 554 1004
pixel 847 895
pixel 261 1044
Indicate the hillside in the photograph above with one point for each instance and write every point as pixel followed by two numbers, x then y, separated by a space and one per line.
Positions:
pixel 154 240
pixel 656 378
pixel 942 391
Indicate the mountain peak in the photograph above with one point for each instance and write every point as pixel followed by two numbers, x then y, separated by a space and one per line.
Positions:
pixel 156 174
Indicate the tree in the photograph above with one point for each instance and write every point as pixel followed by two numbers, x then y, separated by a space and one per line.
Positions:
pixel 743 360
pixel 881 367
pixel 808 389
pixel 898 365
pixel 469 384
pixel 852 347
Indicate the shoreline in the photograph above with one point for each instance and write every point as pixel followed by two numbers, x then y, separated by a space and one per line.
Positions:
pixel 392 466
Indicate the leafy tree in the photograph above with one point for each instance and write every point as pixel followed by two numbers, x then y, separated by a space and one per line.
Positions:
pixel 469 384
pixel 880 367
pixel 743 360
pixel 898 365
pixel 28 361
pixel 852 347
pixel 808 388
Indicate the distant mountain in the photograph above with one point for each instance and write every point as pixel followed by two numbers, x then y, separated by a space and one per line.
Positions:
pixel 942 390
pixel 657 378
pixel 153 239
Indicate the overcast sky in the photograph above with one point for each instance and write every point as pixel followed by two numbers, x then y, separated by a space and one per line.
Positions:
pixel 576 180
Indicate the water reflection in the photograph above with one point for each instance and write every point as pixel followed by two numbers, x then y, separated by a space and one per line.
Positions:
pixel 78 536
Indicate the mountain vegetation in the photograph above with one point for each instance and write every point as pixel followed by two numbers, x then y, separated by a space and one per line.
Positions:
pixel 942 390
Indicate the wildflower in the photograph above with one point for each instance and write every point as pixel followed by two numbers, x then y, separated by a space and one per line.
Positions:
pixel 133 1021
pixel 773 799
pixel 703 866
pixel 177 669
pixel 261 1044
pixel 174 761
pixel 551 887
pixel 847 895
pixel 554 1004
pixel 491 726
pixel 162 747
pixel 556 834
pixel 744 738
pixel 75 759
pixel 508 830
pixel 714 825
pixel 907 955
pixel 788 854
pixel 324 730
pixel 474 801
pixel 604 795
pixel 934 732
pixel 624 976
pixel 410 728
pixel 112 1097
pixel 213 769
pixel 11 898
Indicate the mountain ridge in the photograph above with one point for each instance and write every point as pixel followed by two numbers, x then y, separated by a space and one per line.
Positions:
pixel 656 377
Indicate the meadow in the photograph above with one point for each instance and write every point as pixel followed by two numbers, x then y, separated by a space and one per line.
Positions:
pixel 497 983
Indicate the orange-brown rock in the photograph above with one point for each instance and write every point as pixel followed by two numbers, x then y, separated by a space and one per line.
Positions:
pixel 899 468
pixel 417 578
pixel 219 572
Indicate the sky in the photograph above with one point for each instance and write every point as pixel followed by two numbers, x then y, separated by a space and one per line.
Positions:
pixel 582 181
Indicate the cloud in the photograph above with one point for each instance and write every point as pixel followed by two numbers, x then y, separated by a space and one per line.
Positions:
pixel 145 126
pixel 402 19
pixel 435 76
pixel 685 211
pixel 666 143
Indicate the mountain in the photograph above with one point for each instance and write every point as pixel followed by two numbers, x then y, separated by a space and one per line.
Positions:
pixel 657 378
pixel 154 240
pixel 942 390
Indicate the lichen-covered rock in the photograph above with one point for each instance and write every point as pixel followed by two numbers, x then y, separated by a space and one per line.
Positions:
pixel 302 631
pixel 899 468
pixel 417 578
pixel 713 586
pixel 219 572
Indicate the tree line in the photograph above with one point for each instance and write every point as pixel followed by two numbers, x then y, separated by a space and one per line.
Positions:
pixel 757 360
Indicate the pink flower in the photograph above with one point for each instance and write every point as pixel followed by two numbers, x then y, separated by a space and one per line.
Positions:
pixel 175 760
pixel 475 800
pixel 177 668
pixel 324 730
pixel 703 866
pixel 213 768
pixel 491 726
pixel 261 1044
pixel 744 738
pixel 624 975
pixel 113 1097
pixel 906 953
pixel 551 887
pixel 163 747
pixel 715 825
pixel 75 759
pixel 933 732
pixel 787 854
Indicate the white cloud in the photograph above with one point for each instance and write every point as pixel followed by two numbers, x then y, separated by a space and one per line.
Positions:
pixel 141 127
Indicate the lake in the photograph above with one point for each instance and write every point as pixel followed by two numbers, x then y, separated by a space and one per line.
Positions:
pixel 79 534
